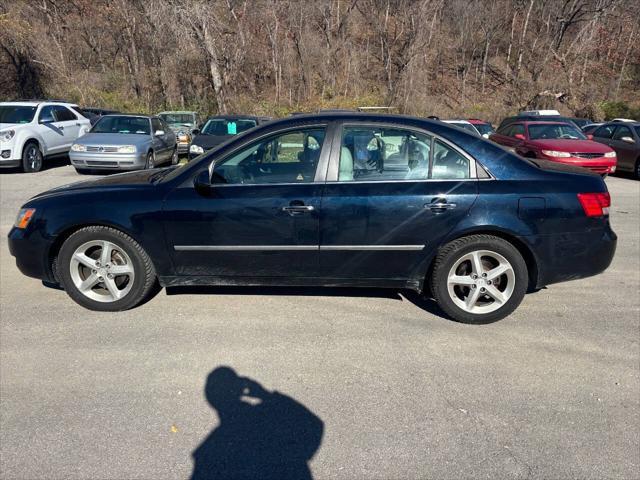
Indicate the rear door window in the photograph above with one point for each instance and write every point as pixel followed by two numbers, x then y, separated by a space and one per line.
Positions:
pixel 377 154
pixel 621 132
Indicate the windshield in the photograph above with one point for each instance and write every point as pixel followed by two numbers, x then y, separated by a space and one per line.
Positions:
pixel 177 118
pixel 16 113
pixel 555 130
pixel 484 128
pixel 125 125
pixel 230 126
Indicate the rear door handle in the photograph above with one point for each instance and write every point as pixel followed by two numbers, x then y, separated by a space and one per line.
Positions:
pixel 439 205
pixel 298 209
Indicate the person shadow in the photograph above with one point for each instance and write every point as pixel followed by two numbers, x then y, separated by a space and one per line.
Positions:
pixel 261 434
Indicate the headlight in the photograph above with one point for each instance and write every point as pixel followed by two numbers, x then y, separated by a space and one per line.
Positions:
pixel 554 153
pixel 196 149
pixel 127 149
pixel 7 135
pixel 610 154
pixel 24 217
pixel 76 147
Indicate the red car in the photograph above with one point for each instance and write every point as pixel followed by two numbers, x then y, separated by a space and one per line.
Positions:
pixel 558 142
pixel 485 128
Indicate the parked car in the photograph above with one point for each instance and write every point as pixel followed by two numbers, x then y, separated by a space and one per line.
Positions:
pixel 125 142
pixel 465 125
pixel 318 200
pixel 33 131
pixel 484 128
pixel 578 122
pixel 590 128
pixel 557 142
pixel 219 129
pixel 182 123
pixel 94 113
pixel 624 138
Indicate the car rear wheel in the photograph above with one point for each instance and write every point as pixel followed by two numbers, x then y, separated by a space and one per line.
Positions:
pixel 32 158
pixel 479 279
pixel 637 169
pixel 104 269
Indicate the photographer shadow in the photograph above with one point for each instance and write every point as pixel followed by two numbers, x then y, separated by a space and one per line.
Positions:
pixel 261 434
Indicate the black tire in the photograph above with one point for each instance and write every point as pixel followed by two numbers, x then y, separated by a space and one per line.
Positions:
pixel 636 170
pixel 151 160
pixel 174 157
pixel 32 158
pixel 144 278
pixel 449 254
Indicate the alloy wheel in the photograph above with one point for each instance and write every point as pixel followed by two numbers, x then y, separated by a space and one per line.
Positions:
pixel 34 158
pixel 481 281
pixel 102 271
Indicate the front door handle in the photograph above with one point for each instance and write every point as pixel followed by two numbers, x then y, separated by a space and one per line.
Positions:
pixel 439 205
pixel 298 209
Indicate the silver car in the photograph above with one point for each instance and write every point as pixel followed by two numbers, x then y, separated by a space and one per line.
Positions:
pixel 125 142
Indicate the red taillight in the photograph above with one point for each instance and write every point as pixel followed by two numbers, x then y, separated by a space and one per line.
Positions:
pixel 595 204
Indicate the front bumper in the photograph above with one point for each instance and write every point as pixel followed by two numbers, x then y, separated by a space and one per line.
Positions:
pixel 600 165
pixel 31 252
pixel 10 156
pixel 108 161
pixel 183 147
pixel 570 256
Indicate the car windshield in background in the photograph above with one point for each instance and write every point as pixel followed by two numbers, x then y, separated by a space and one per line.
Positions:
pixel 555 130
pixel 483 128
pixel 16 113
pixel 177 118
pixel 125 125
pixel 220 127
pixel 466 126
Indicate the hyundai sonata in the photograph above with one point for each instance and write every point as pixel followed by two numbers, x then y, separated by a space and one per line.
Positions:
pixel 327 200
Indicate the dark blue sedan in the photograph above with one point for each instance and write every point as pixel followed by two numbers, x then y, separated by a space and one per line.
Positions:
pixel 327 200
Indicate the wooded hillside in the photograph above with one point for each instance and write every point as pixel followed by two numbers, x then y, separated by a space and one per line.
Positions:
pixel 451 58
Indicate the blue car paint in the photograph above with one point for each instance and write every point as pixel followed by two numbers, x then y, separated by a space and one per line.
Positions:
pixel 536 208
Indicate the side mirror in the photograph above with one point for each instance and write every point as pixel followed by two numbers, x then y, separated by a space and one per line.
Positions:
pixel 195 131
pixel 159 133
pixel 589 137
pixel 628 140
pixel 202 183
pixel 519 136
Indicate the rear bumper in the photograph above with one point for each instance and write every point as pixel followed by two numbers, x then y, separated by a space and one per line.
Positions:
pixel 570 256
pixel 108 161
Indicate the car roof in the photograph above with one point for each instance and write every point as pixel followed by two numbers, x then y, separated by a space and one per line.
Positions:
pixel 633 123
pixel 236 117
pixel 177 111
pixel 544 122
pixel 129 115
pixel 465 122
pixel 35 103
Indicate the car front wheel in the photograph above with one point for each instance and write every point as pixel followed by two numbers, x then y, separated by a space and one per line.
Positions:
pixel 31 158
pixel 104 269
pixel 479 279
pixel 174 156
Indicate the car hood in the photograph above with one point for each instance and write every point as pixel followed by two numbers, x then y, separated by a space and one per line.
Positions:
pixel 12 125
pixel 563 145
pixel 137 179
pixel 209 141
pixel 96 139
pixel 184 127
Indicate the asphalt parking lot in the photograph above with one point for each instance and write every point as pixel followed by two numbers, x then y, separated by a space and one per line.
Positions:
pixel 394 390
